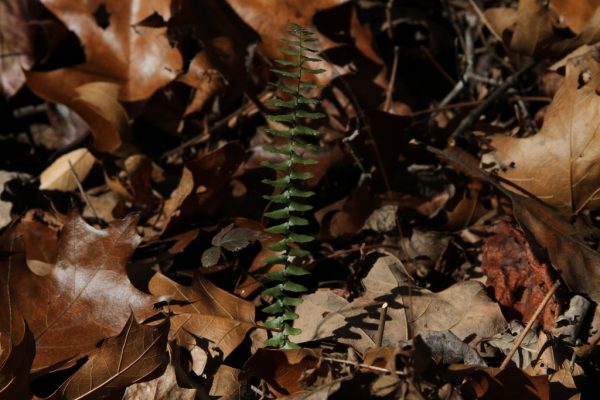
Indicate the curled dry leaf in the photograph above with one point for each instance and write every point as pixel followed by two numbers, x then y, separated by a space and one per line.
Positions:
pixel 204 311
pixel 559 164
pixel 59 175
pixel 87 290
pixel 464 309
pixel 137 354
pixel 95 102
pixel 199 188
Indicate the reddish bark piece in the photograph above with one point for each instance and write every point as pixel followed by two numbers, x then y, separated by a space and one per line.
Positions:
pixel 86 297
pixel 137 354
pixel 519 280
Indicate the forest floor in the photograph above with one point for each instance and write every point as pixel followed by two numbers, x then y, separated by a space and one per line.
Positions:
pixel 455 208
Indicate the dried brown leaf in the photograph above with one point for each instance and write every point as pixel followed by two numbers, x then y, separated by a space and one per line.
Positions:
pixel 205 311
pixel 17 345
pixel 87 292
pixel 559 164
pixel 576 13
pixel 464 309
pixel 138 58
pixel 136 355
pixel 164 387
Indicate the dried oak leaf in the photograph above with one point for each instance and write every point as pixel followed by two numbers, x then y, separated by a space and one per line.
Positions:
pixel 86 297
pixel 17 345
pixel 137 354
pixel 40 242
pixel 464 309
pixel 534 29
pixel 16 359
pixel 121 50
pixel 204 310
pixel 559 164
pixel 15 42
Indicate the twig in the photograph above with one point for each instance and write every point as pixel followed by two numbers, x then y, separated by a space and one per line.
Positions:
pixel 80 187
pixel 388 18
pixel 366 366
pixel 527 328
pixel 381 326
pixel 390 88
pixel 437 65
pixel 477 111
pixel 484 19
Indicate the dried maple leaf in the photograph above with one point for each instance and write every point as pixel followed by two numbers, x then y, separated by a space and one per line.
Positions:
pixel 86 297
pixel 559 164
pixel 205 311
pixel 464 309
pixel 137 354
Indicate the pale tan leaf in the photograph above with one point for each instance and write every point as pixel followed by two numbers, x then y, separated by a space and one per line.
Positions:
pixel 559 164
pixel 59 176
pixel 464 309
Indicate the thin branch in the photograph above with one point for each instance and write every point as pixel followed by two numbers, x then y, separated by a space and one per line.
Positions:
pixel 496 94
pixel 366 366
pixel 527 328
pixel 80 187
pixel 390 88
pixel 484 19
pixel 381 326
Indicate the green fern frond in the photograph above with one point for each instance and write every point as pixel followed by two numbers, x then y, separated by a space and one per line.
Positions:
pixel 293 114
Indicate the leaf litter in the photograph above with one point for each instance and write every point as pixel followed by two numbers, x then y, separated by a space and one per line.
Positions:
pixel 457 182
